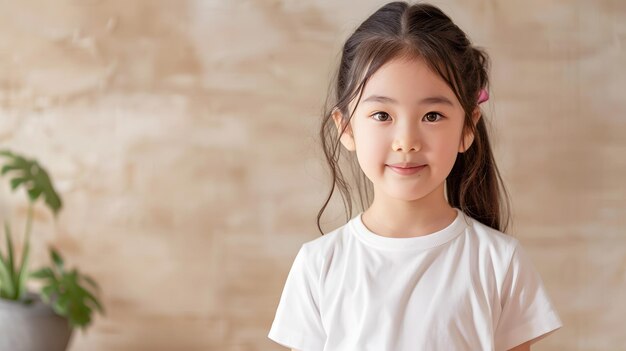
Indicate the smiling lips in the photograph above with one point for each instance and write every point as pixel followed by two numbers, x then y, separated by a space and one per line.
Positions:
pixel 406 168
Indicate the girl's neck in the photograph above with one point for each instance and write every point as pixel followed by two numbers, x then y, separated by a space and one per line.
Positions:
pixel 399 218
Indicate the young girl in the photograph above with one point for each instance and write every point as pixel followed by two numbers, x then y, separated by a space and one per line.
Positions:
pixel 427 266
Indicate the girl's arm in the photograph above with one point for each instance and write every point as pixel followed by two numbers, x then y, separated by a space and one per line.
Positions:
pixel 523 347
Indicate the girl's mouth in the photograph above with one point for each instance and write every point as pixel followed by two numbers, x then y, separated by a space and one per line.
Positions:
pixel 408 170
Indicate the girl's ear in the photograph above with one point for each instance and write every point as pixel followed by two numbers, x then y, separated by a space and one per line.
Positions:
pixel 347 138
pixel 468 138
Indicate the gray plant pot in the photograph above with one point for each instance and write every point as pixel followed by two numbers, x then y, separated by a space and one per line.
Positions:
pixel 34 327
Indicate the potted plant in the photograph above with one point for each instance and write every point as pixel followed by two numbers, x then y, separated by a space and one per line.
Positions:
pixel 45 320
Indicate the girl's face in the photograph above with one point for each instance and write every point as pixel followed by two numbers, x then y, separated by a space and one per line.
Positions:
pixel 407 114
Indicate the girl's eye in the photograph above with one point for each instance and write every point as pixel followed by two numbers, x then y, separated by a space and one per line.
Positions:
pixel 381 113
pixel 386 118
pixel 433 114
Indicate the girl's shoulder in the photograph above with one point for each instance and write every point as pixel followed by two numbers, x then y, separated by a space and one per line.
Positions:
pixel 330 239
pixel 490 238
pixel 325 247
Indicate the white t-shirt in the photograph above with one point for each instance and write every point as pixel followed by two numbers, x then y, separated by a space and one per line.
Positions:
pixel 465 287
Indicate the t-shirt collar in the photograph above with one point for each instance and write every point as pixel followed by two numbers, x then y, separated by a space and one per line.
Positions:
pixel 419 242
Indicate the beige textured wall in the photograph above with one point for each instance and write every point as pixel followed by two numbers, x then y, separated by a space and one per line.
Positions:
pixel 181 135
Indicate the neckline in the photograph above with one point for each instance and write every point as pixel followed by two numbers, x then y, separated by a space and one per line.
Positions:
pixel 412 243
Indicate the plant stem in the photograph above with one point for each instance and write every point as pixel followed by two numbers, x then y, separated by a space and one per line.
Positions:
pixel 29 223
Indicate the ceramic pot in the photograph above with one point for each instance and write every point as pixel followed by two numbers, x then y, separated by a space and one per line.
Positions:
pixel 33 327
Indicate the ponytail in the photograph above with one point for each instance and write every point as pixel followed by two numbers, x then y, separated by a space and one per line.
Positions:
pixel 473 185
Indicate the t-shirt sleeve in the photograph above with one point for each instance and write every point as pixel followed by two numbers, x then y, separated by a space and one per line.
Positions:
pixel 298 323
pixel 527 311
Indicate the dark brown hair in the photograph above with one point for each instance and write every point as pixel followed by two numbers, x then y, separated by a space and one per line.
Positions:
pixel 421 30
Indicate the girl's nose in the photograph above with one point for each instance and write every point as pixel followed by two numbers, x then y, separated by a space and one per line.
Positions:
pixel 407 140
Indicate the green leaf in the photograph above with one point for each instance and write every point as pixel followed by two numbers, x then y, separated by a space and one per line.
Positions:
pixel 42 273
pixel 15 182
pixel 64 291
pixel 56 258
pixel 8 168
pixel 34 178
pixel 91 282
pixel 10 260
pixel 34 193
pixel 7 271
pixel 23 274
pixel 48 292
pixel 60 306
pixel 80 315
pixel 7 288
pixel 94 301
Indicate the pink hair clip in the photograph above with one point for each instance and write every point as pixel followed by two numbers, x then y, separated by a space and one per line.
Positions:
pixel 483 96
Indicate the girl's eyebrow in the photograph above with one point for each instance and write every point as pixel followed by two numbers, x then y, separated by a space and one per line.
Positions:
pixel 438 99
